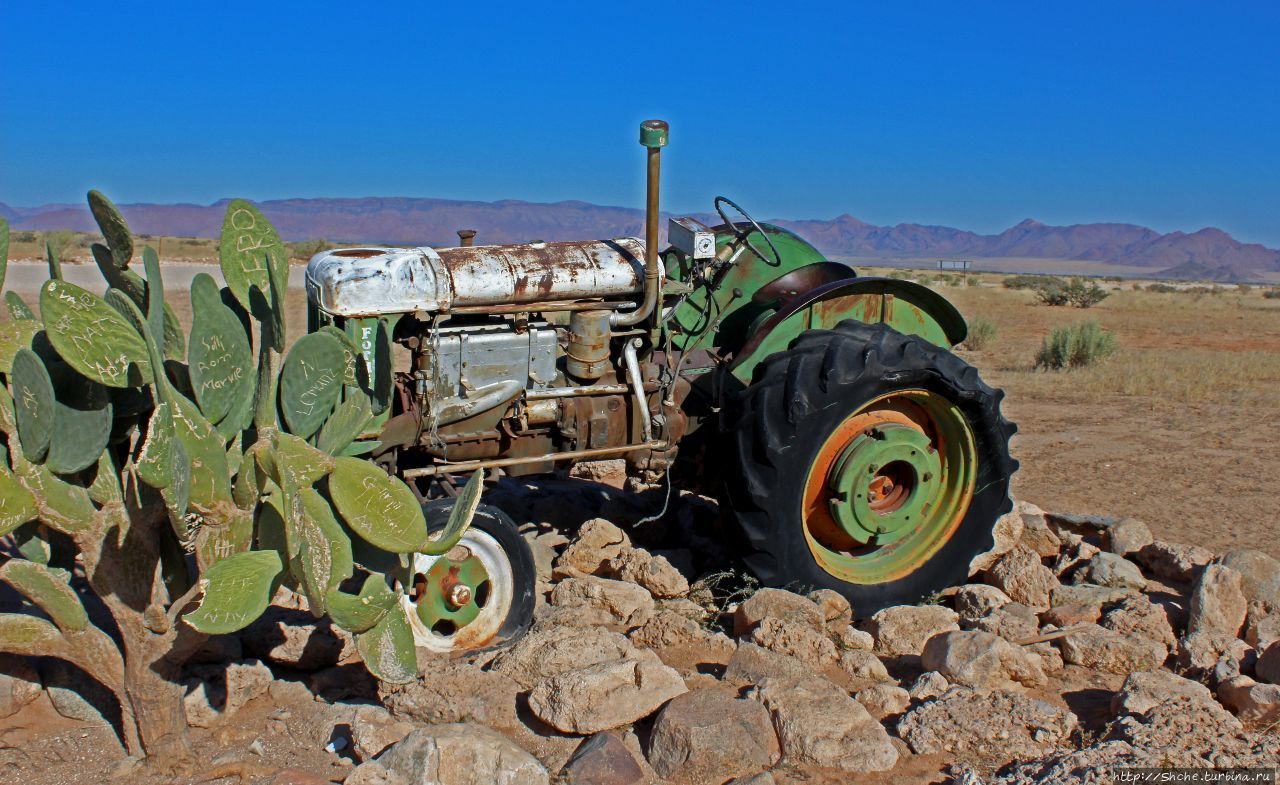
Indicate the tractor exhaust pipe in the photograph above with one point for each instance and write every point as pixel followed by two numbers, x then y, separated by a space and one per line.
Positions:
pixel 466 238
pixel 653 135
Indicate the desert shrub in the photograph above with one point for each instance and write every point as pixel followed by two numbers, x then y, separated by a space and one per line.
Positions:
pixel 981 333
pixel 1161 288
pixel 1028 281
pixel 1075 347
pixel 1083 295
pixel 899 275
pixel 1272 294
pixel 973 280
pixel 1075 292
pixel 59 240
pixel 308 248
pixel 1243 288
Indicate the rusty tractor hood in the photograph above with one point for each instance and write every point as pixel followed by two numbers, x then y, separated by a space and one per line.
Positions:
pixel 352 282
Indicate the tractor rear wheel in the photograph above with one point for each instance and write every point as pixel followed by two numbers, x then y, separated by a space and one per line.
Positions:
pixel 870 462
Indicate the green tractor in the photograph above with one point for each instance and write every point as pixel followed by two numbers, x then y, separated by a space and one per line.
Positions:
pixel 853 449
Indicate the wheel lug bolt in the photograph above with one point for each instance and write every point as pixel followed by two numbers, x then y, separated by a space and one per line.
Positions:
pixel 459 595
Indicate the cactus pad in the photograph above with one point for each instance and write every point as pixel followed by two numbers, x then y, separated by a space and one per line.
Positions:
pixel 379 508
pixel 4 250
pixel 33 404
pixel 310 381
pixel 346 424
pixel 47 589
pixel 16 335
pixel 219 355
pixel 17 504
pixel 359 613
pixel 81 422
pixel 113 227
pixel 92 336
pixel 236 591
pixel 248 248
pixel 155 296
pixel 18 310
pixel 387 648
pixel 154 461
pixel 299 462
pixel 324 552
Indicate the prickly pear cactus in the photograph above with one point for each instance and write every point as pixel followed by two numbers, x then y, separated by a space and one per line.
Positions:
pixel 109 440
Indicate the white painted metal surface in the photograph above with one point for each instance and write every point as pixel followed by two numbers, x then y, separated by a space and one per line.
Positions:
pixel 369 281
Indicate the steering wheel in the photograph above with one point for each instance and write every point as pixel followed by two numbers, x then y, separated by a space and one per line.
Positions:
pixel 719 203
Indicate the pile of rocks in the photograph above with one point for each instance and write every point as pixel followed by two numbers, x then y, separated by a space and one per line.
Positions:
pixel 1082 642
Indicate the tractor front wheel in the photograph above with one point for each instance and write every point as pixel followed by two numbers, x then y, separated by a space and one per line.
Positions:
pixel 479 595
pixel 870 462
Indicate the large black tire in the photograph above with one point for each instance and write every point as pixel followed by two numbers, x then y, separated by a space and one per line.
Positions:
pixel 798 398
pixel 493 531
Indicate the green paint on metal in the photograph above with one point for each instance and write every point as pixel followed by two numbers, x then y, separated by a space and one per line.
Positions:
pixel 448 600
pixel 898 488
pixel 858 474
pixel 726 316
pixel 898 304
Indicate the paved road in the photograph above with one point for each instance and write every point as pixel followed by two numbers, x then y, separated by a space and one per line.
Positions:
pixel 28 276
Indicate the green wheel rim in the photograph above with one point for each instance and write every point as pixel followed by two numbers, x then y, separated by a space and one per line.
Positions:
pixel 889 487
pixel 448 593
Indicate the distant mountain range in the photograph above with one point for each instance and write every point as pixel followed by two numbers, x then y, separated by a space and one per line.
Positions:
pixel 1208 254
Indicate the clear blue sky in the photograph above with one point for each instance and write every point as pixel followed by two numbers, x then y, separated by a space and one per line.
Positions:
pixel 973 115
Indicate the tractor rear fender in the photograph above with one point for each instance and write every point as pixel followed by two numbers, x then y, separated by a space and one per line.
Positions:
pixel 907 307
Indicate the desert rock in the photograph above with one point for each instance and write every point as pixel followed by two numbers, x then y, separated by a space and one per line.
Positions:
pixel 777 604
pixel 605 601
pixel 981 660
pixel 1110 570
pixel 1022 576
pixel 903 629
pixel 654 573
pixel 1218 603
pixel 818 724
pixel 1144 690
pixel 1097 647
pixel 605 695
pixel 710 735
pixel 462 754
pixel 993 725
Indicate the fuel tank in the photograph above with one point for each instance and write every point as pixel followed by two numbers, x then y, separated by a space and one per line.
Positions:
pixel 351 282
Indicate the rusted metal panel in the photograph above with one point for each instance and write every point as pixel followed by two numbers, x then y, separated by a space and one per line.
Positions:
pixel 363 281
